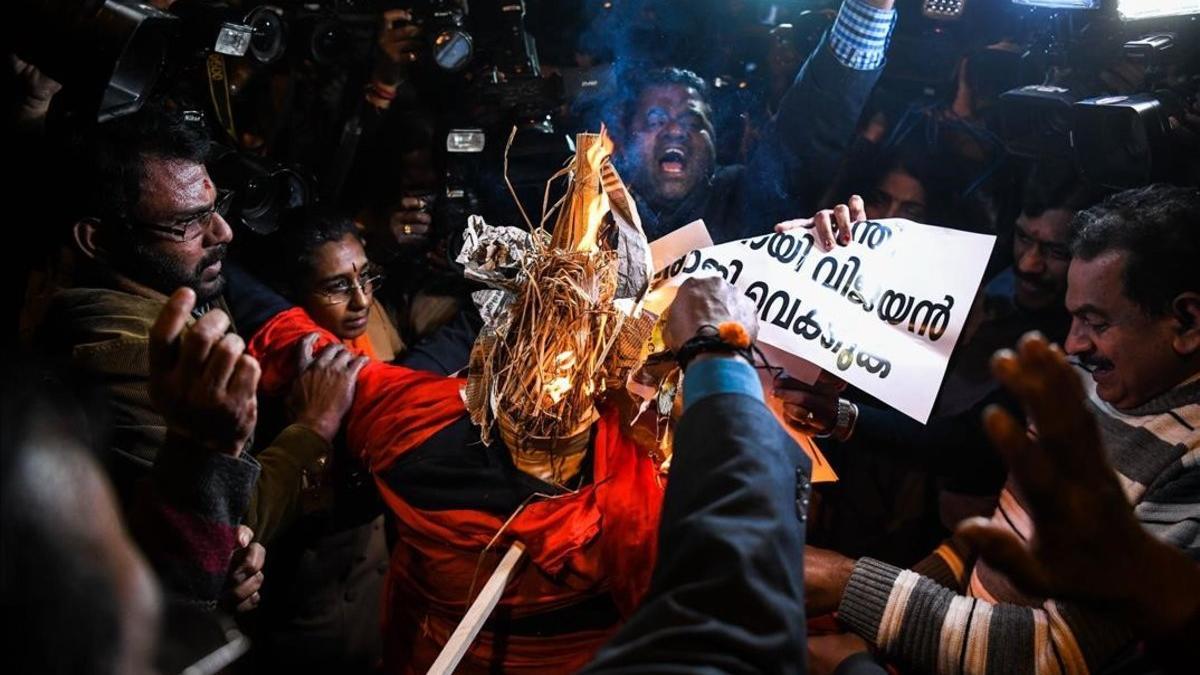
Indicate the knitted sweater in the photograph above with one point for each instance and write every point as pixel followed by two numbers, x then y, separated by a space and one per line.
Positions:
pixel 952 614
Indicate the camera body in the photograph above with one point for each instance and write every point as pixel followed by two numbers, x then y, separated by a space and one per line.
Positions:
pixel 501 116
pixel 444 24
pixel 1118 138
pixel 1081 81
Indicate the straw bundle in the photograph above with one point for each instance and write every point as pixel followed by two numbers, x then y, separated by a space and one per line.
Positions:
pixel 538 370
pixel 544 368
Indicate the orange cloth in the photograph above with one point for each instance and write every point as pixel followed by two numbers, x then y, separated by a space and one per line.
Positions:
pixel 362 345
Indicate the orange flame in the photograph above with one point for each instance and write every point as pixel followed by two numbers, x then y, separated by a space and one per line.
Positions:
pixel 599 147
pixel 557 387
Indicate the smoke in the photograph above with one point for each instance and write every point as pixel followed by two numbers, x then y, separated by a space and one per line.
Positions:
pixel 726 42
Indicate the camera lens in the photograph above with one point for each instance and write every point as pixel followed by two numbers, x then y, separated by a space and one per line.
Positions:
pixel 268 42
pixel 452 50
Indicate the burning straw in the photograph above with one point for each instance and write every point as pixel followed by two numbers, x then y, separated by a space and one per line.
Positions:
pixel 545 371
pixel 538 374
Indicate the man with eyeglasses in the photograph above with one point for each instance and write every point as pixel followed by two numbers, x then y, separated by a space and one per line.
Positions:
pixel 174 235
pixel 205 225
pixel 1133 296
pixel 668 152
pixel 142 220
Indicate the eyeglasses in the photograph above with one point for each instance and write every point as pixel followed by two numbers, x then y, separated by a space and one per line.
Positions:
pixel 340 290
pixel 195 225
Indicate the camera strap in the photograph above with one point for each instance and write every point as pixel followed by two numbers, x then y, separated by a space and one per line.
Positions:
pixel 218 90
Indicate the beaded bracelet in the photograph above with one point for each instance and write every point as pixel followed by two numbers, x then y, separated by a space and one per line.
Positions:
pixel 729 337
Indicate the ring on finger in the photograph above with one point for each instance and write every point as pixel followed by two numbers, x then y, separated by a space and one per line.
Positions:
pixel 800 415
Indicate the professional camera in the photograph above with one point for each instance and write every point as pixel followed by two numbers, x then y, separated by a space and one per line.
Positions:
pixel 331 33
pixel 504 116
pixel 325 32
pixel 216 27
pixel 135 51
pixel 213 37
pixel 1118 139
pixel 126 46
pixel 501 76
pixel 443 22
pixel 263 191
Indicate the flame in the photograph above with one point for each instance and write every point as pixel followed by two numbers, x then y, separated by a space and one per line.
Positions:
pixel 556 388
pixel 593 219
pixel 598 149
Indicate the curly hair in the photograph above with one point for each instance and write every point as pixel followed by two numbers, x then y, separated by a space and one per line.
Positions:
pixel 1156 227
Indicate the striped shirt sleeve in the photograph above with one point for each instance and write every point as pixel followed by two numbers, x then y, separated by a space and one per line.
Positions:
pixel 948 565
pixel 923 625
pixel 860 34
pixel 1170 510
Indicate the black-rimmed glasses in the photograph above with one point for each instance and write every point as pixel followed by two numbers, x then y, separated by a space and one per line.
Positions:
pixel 195 225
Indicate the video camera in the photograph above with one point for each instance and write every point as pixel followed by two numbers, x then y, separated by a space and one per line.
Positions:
pixel 443 22
pixel 1118 139
pixel 1042 77
pixel 490 58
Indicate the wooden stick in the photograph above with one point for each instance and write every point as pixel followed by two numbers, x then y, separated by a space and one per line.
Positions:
pixel 466 631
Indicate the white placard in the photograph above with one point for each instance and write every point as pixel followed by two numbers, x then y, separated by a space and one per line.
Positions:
pixel 883 313
pixel 678 243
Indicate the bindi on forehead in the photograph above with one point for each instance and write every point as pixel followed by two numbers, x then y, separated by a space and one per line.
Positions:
pixel 344 257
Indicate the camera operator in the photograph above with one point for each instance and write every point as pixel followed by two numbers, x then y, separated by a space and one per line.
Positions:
pixel 395 182
pixel 668 148
pixel 400 45
pixel 405 222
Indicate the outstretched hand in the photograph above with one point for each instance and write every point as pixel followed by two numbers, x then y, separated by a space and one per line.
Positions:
pixel 1087 543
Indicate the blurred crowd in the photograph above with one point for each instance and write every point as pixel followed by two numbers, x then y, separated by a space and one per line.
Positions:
pixel 239 330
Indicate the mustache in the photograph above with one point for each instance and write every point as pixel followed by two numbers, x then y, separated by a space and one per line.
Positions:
pixel 1034 280
pixel 217 254
pixel 1091 363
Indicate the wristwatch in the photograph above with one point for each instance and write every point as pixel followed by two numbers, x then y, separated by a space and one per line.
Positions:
pixel 843 426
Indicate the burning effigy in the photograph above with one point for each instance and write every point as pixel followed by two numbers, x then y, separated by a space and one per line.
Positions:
pixel 569 524
pixel 564 321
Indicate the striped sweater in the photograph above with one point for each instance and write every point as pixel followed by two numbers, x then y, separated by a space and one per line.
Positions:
pixel 952 614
